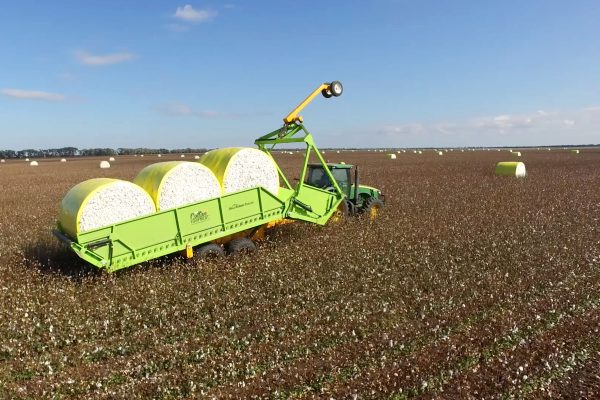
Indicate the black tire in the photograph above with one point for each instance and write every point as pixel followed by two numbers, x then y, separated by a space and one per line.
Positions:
pixel 240 246
pixel 326 93
pixel 342 213
pixel 336 88
pixel 209 250
pixel 372 207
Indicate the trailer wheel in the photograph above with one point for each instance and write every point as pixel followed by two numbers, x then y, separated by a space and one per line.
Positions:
pixel 326 93
pixel 372 208
pixel 240 246
pixel 336 88
pixel 209 250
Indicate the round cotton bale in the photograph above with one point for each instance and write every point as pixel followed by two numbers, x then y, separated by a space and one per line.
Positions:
pixel 104 164
pixel 2 161
pixel 183 156
pixel 196 157
pixel 440 153
pixel 142 155
pixel 516 153
pixel 239 168
pixel 34 164
pixel 27 160
pixel 100 202
pixel 63 160
pixel 391 156
pixel 511 168
pixel 111 159
pixel 176 183
pixel 574 151
pixel 159 155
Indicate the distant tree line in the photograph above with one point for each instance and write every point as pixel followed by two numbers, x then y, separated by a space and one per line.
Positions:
pixel 75 152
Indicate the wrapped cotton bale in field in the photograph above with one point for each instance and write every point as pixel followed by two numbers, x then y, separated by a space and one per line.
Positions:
pixel 27 160
pixel 33 164
pixel 63 160
pixel 2 161
pixel 391 156
pixel 101 202
pixel 183 156
pixel 111 159
pixel 440 153
pixel 239 168
pixel 104 164
pixel 511 168
pixel 159 155
pixel 176 183
pixel 196 157
pixel 575 151
pixel 516 153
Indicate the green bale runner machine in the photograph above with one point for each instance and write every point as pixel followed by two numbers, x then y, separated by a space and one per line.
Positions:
pixel 232 222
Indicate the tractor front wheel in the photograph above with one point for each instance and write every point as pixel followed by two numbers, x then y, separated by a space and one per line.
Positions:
pixel 372 208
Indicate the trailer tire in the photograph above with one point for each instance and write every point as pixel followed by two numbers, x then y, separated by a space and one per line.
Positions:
pixel 372 208
pixel 209 250
pixel 326 93
pixel 240 246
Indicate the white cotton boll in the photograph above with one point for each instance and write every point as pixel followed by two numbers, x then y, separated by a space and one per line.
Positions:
pixel 176 183
pixel 242 168
pixel 114 203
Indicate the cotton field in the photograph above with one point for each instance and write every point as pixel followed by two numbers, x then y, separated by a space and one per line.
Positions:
pixel 469 285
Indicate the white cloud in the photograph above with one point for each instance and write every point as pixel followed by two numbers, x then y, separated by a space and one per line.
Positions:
pixel 32 95
pixel 183 110
pixel 534 128
pixel 106 59
pixel 189 14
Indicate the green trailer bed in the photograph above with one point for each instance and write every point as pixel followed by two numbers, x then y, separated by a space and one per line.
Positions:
pixel 131 242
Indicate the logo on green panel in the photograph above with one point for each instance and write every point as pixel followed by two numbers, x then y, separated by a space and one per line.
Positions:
pixel 198 216
pixel 240 205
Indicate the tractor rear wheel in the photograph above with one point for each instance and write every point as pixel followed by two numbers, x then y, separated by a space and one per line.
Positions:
pixel 240 246
pixel 372 208
pixel 209 250
pixel 342 212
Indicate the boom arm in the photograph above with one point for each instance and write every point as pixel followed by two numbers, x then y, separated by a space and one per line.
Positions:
pixel 327 89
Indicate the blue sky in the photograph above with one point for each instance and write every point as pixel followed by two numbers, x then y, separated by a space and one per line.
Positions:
pixel 215 74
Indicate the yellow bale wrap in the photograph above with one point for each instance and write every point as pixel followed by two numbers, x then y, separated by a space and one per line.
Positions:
pixel 511 168
pixel 176 183
pixel 239 168
pixel 111 201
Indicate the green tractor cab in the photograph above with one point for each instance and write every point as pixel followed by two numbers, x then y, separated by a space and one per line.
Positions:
pixel 366 199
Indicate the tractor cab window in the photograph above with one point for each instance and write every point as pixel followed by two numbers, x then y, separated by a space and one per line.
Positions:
pixel 318 178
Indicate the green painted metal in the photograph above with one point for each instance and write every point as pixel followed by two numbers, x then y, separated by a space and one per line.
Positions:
pixel 308 203
pixel 132 242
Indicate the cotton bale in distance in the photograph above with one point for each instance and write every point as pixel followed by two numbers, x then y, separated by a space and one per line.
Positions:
pixel 2 161
pixel 100 202
pixel 575 151
pixel 440 153
pixel 239 168
pixel 104 164
pixel 33 164
pixel 516 153
pixel 391 156
pixel 111 159
pixel 27 160
pixel 511 168
pixel 173 184
pixel 63 160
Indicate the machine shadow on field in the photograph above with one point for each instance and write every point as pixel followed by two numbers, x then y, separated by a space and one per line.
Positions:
pixel 53 258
